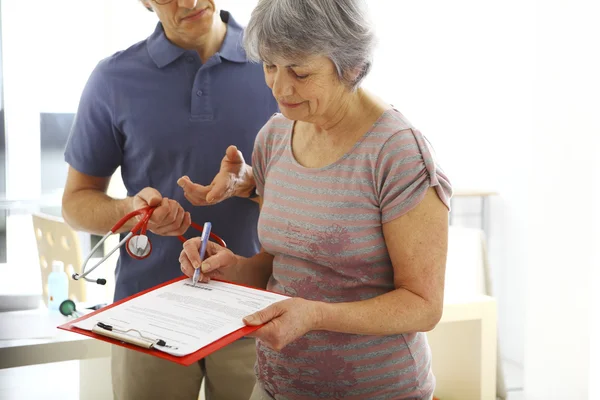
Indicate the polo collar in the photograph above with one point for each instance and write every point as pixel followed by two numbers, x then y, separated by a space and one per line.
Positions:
pixel 163 52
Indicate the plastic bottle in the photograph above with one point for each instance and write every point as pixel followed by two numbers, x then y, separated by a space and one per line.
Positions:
pixel 58 285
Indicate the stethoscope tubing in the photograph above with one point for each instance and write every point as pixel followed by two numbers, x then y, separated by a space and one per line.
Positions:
pixel 141 226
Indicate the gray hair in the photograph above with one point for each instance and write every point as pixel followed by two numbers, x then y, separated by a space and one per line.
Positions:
pixel 293 29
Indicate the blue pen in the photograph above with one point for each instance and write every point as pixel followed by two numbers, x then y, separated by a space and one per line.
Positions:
pixel 204 238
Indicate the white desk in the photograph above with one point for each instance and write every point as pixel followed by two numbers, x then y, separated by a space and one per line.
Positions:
pixel 464 348
pixel 93 355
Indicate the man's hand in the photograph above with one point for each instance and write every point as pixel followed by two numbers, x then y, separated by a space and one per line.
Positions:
pixel 235 178
pixel 169 218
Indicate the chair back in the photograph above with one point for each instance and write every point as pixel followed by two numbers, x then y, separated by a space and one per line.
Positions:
pixel 56 241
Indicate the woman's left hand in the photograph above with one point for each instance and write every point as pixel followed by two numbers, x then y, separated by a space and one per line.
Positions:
pixel 285 321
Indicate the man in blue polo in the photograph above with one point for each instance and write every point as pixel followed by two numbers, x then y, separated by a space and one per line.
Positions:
pixel 164 108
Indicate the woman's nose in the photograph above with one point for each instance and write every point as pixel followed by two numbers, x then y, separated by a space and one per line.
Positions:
pixel 281 86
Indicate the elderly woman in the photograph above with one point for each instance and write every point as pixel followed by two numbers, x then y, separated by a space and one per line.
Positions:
pixel 353 222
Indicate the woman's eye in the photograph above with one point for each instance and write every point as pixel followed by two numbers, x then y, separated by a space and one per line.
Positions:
pixel 270 67
pixel 299 76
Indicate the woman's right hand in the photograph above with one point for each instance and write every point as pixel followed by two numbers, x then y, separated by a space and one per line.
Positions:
pixel 216 262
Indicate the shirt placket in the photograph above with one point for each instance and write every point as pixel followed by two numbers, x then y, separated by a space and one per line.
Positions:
pixel 202 109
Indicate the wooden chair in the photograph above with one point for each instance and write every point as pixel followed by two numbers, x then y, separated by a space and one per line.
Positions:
pixel 56 241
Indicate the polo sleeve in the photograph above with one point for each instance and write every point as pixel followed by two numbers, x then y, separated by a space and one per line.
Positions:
pixel 95 146
pixel 405 169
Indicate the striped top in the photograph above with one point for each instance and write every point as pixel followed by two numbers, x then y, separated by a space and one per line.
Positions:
pixel 324 228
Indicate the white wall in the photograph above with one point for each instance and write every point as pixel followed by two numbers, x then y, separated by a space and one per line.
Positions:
pixel 561 276
pixel 594 315
pixel 461 71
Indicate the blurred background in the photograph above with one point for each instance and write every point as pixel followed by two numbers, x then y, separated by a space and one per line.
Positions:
pixel 507 93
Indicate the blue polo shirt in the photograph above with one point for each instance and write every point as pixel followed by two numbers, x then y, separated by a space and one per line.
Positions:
pixel 159 113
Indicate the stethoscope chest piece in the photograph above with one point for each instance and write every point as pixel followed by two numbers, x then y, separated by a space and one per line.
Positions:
pixel 139 246
pixel 68 309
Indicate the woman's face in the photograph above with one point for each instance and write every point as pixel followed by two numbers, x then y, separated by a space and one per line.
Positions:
pixel 306 90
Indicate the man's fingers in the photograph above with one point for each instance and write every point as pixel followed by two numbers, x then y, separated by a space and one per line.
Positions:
pixel 184 181
pixel 188 186
pixel 178 227
pixel 151 196
pixel 175 213
pixel 218 191
pixel 234 155
pixel 195 200
pixel 160 213
pixel 193 192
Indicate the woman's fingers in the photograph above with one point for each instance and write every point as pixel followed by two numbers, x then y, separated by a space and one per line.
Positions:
pixel 186 265
pixel 217 257
pixel 191 249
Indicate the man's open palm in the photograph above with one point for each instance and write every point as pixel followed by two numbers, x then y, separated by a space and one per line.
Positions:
pixel 234 179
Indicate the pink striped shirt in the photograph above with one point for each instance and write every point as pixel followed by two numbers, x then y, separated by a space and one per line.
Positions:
pixel 324 228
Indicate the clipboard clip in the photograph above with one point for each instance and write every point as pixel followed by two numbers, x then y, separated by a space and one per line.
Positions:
pixel 125 336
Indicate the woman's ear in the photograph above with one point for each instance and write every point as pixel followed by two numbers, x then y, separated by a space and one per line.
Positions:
pixel 357 73
pixel 353 74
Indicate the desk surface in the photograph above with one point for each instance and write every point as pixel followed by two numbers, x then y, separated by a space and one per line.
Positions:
pixel 467 192
pixel 62 346
pixel 468 308
pixel 65 346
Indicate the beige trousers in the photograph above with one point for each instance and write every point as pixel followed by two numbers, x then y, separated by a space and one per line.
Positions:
pixel 229 375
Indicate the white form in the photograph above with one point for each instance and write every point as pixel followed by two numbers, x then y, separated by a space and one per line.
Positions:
pixel 186 317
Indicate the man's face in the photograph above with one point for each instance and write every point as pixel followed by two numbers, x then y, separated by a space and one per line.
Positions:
pixel 184 21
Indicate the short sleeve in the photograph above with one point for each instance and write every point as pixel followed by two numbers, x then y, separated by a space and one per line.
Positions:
pixel 95 146
pixel 405 169
pixel 260 156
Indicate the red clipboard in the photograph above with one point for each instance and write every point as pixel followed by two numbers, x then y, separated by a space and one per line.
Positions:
pixel 183 360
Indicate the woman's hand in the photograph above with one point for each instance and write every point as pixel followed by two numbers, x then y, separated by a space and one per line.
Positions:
pixel 234 179
pixel 285 321
pixel 217 259
pixel 168 219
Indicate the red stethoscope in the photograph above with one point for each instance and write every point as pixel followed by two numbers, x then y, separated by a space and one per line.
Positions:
pixel 136 242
